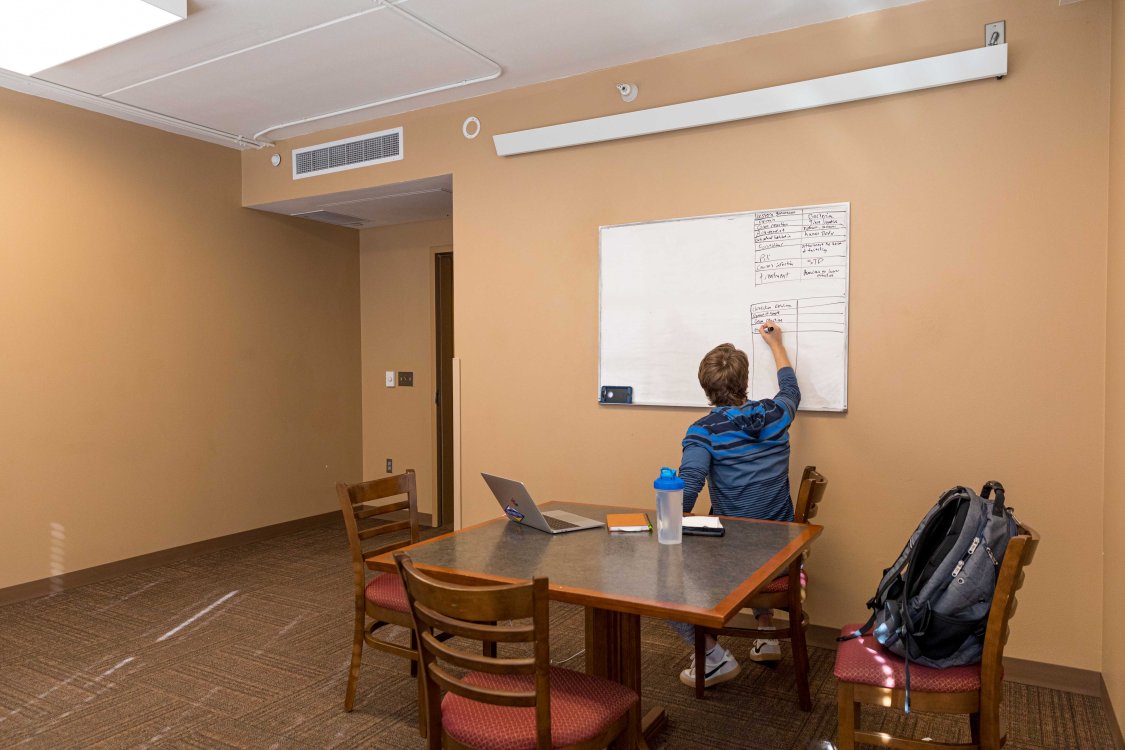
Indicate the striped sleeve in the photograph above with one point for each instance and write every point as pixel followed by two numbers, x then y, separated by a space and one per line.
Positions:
pixel 788 393
pixel 694 467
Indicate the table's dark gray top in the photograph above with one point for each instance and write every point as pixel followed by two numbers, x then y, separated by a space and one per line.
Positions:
pixel 703 580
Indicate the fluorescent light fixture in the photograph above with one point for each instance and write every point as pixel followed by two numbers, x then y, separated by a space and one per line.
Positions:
pixel 899 78
pixel 39 34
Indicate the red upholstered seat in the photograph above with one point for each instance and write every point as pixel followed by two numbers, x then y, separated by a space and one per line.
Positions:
pixel 781 583
pixel 864 660
pixel 386 590
pixel 582 706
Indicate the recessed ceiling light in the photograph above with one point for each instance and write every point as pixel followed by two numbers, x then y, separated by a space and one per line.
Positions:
pixel 39 34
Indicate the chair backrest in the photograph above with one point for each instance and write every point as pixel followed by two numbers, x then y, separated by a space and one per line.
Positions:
pixel 469 612
pixel 1017 556
pixel 363 521
pixel 809 494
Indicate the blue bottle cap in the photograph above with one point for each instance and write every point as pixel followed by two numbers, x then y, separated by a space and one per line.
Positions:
pixel 668 480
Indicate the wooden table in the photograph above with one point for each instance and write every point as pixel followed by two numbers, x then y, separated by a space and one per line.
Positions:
pixel 620 577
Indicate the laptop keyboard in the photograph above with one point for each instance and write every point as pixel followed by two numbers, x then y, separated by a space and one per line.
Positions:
pixel 558 524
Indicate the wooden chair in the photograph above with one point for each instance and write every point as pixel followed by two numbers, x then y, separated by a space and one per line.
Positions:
pixel 505 701
pixel 778 594
pixel 868 673
pixel 380 601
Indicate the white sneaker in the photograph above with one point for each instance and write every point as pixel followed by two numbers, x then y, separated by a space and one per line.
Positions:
pixel 764 650
pixel 721 667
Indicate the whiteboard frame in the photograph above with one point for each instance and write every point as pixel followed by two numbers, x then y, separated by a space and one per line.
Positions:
pixel 847 305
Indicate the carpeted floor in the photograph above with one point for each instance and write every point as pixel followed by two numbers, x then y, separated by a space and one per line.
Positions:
pixel 249 647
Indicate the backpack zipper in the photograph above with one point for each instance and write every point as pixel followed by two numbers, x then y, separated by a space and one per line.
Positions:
pixel 963 560
pixel 992 557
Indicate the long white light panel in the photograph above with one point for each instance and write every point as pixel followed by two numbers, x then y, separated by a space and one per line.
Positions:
pixel 40 34
pixel 899 78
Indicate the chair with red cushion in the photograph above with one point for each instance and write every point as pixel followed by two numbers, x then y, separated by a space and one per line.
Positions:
pixel 380 601
pixel 868 673
pixel 511 701
pixel 779 595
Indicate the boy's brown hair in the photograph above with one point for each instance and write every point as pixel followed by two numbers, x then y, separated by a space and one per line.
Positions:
pixel 724 374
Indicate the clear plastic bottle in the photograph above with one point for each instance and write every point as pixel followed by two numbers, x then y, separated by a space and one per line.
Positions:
pixel 669 507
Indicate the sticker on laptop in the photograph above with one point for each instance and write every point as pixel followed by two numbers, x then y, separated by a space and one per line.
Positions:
pixel 514 514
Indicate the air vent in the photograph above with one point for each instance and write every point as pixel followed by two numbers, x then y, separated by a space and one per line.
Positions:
pixel 362 151
pixel 329 217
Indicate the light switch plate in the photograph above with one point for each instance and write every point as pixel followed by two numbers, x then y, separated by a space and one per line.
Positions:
pixel 406 378
pixel 390 378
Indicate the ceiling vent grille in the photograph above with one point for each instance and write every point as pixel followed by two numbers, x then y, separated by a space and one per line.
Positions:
pixel 361 151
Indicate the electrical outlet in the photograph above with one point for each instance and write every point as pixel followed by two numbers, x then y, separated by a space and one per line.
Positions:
pixel 406 378
pixel 390 466
pixel 390 378
pixel 993 33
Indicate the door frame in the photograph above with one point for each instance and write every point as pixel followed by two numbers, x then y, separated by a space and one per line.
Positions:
pixel 446 503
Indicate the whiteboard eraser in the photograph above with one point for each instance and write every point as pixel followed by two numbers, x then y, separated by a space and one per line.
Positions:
pixel 616 394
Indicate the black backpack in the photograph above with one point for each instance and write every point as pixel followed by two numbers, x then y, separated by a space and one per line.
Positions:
pixel 932 604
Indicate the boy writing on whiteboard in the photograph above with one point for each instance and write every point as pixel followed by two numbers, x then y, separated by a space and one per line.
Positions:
pixel 741 448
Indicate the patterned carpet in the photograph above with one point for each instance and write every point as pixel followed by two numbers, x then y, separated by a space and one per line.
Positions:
pixel 248 648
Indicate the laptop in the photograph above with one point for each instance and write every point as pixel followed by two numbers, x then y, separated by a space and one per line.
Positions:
pixel 520 508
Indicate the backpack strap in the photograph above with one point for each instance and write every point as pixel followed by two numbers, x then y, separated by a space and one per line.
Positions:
pixel 864 629
pixel 998 504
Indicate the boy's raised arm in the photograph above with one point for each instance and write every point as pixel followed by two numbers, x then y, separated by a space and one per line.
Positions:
pixel 788 391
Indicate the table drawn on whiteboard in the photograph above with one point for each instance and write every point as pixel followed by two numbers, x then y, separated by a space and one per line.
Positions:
pixel 796 244
pixel 796 316
pixel 671 290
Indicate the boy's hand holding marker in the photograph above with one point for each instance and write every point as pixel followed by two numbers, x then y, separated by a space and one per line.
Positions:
pixel 771 334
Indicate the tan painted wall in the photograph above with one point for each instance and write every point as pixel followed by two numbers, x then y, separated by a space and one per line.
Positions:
pixel 174 367
pixel 1113 657
pixel 978 281
pixel 397 307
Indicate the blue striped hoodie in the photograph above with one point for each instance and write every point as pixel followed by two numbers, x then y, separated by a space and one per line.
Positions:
pixel 744 452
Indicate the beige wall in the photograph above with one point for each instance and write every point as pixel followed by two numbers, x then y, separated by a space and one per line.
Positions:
pixel 1113 658
pixel 978 281
pixel 174 367
pixel 397 308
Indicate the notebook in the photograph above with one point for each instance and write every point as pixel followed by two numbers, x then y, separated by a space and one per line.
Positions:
pixel 703 526
pixel 628 522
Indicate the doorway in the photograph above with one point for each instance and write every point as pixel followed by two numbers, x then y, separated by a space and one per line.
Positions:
pixel 443 398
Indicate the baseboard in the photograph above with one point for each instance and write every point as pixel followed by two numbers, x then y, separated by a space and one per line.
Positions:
pixel 1023 671
pixel 1114 721
pixel 74 579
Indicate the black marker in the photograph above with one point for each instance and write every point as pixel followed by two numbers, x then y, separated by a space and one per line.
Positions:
pixel 767 329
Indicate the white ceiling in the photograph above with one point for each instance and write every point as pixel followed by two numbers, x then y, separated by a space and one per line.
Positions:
pixel 244 72
pixel 245 67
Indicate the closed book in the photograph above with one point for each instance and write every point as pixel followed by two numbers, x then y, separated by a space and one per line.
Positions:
pixel 628 522
pixel 703 526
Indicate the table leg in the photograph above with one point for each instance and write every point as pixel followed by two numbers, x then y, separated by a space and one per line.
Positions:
pixel 613 651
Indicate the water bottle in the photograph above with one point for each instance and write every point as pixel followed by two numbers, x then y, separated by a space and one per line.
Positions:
pixel 669 507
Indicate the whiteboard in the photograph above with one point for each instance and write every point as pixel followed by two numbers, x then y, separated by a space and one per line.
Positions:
pixel 670 291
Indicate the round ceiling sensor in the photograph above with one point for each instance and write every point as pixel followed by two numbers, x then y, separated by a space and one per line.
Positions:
pixel 470 128
pixel 276 160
